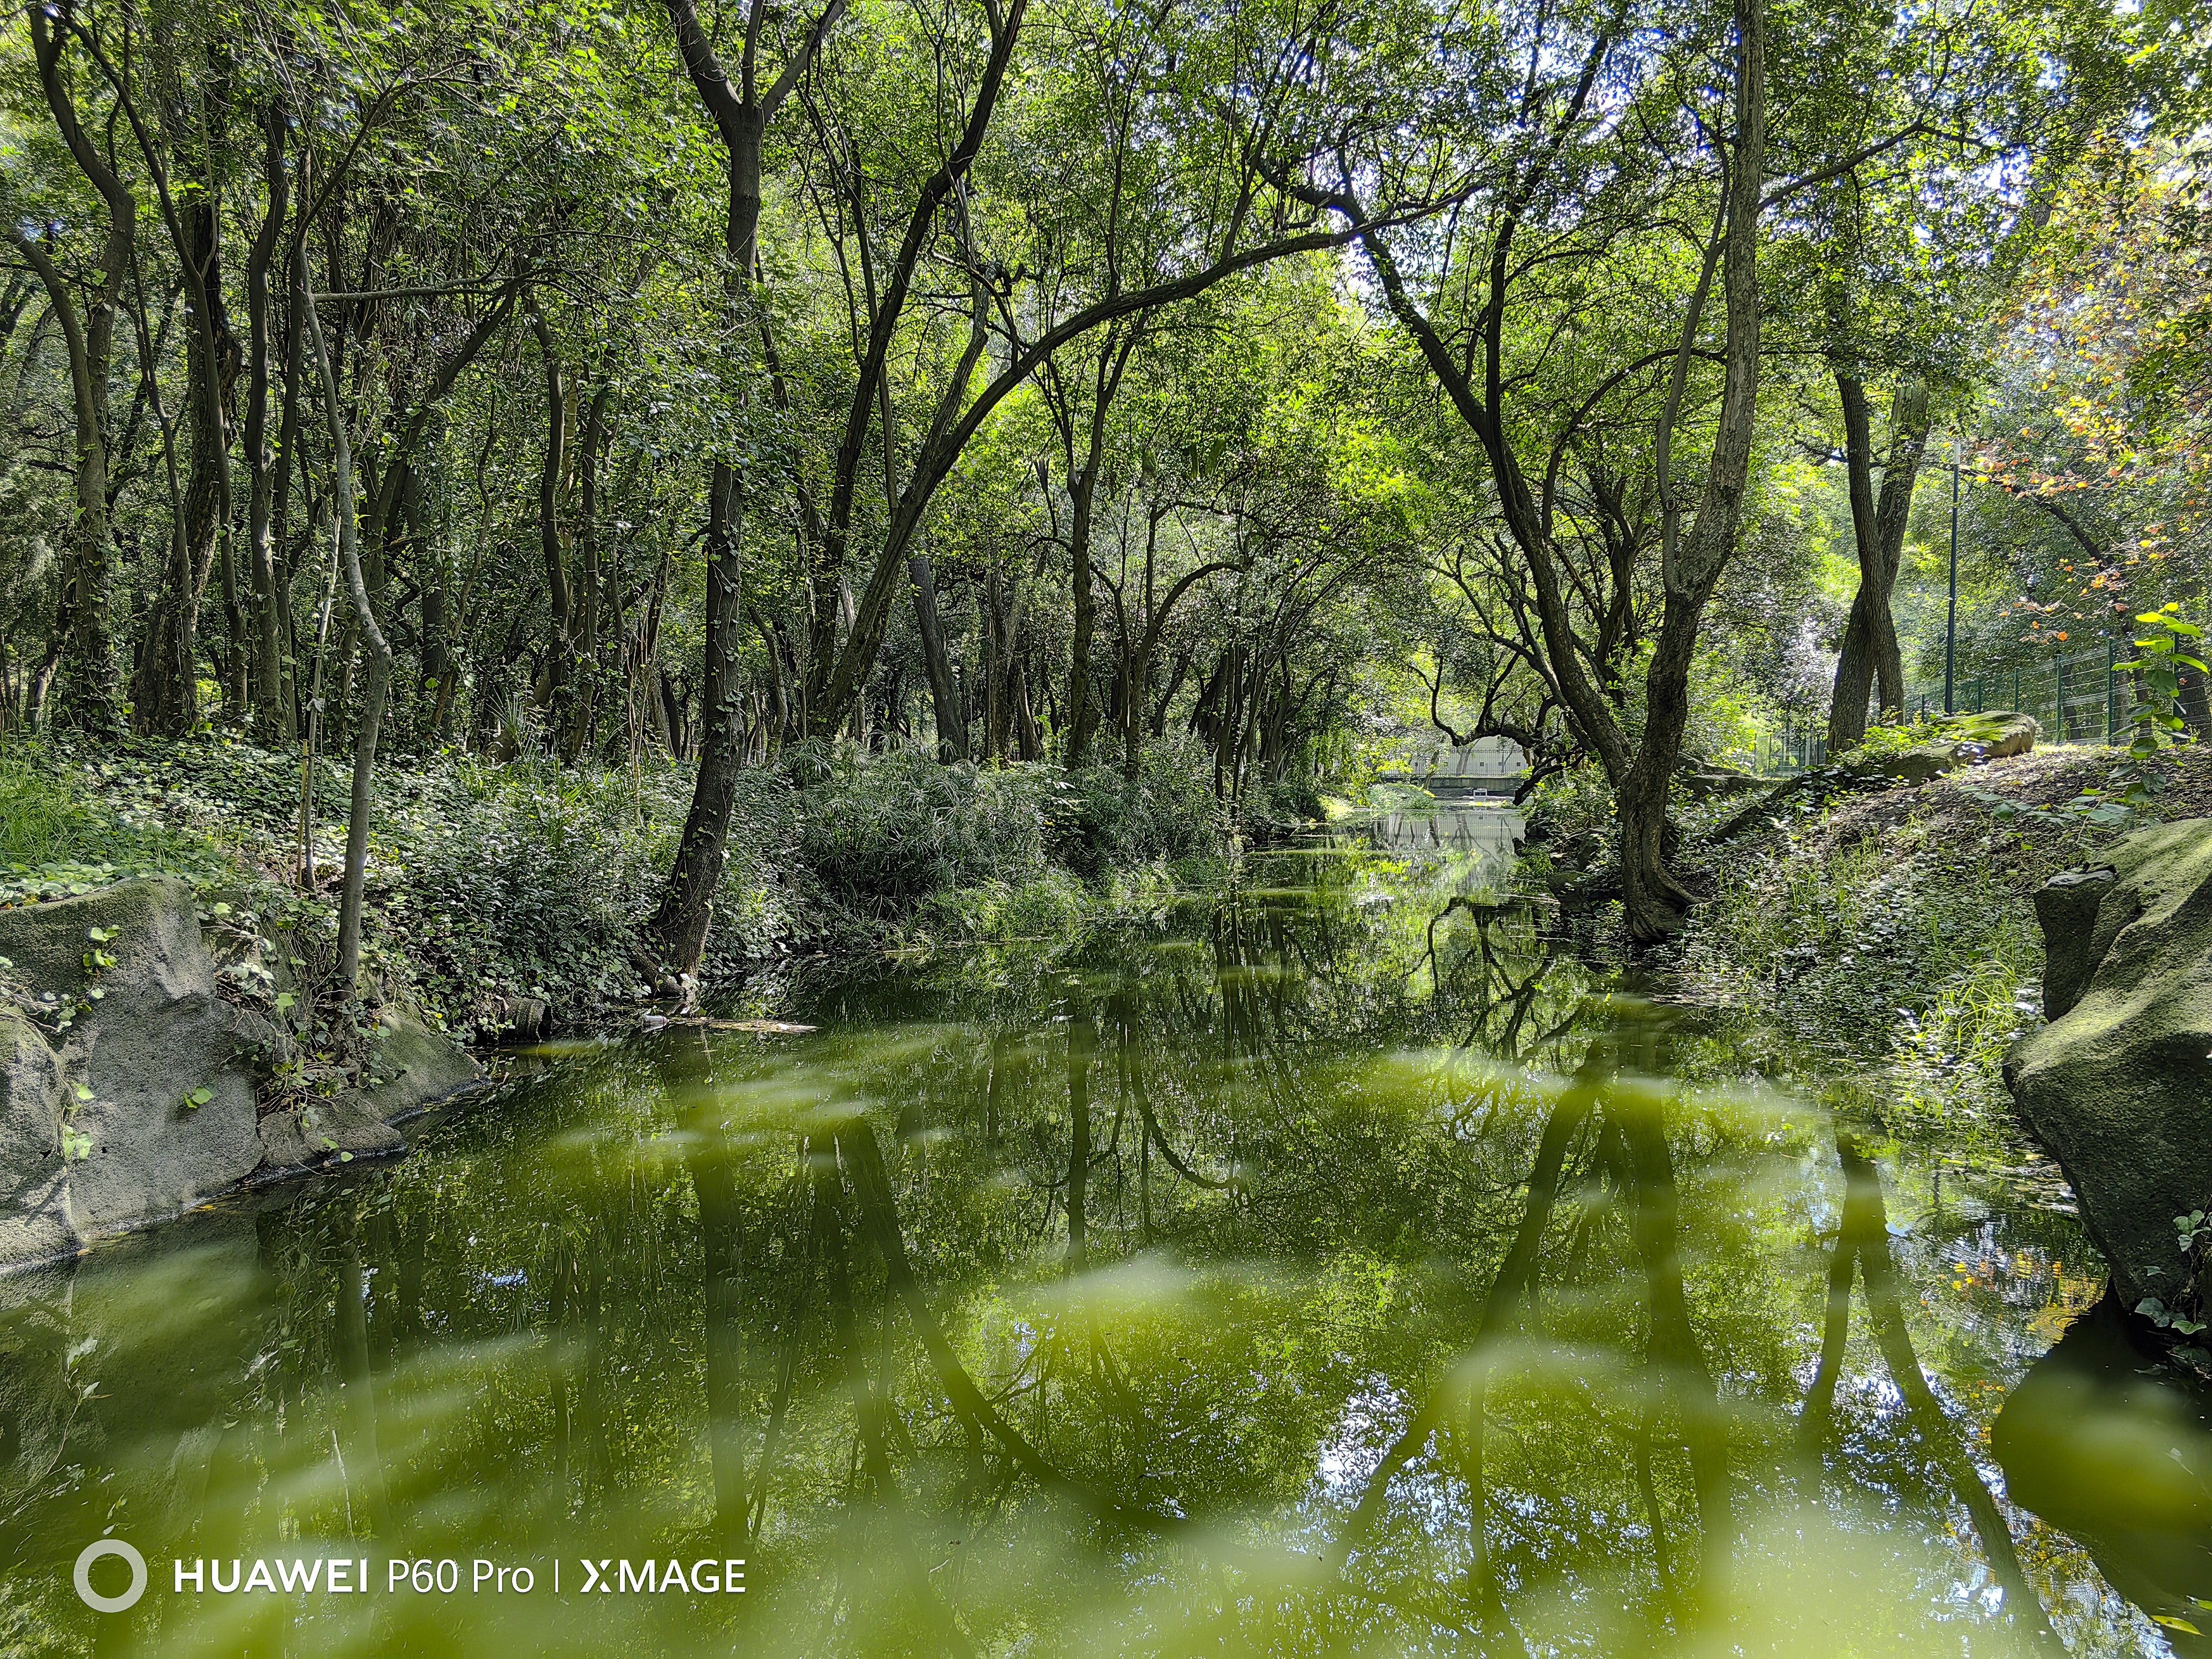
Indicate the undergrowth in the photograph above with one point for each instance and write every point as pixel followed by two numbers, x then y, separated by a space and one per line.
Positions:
pixel 1911 951
pixel 532 879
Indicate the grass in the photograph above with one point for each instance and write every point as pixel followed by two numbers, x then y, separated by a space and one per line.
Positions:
pixel 70 824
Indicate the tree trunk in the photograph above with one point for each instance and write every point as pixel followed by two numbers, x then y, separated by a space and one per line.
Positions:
pixel 679 927
pixel 379 675
pixel 986 630
pixel 741 115
pixel 290 456
pixel 1870 654
pixel 1655 902
pixel 1082 715
pixel 584 649
pixel 166 696
pixel 944 697
pixel 89 686
pixel 560 658
pixel 271 713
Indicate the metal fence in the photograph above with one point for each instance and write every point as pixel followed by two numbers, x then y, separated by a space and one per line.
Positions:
pixel 2076 696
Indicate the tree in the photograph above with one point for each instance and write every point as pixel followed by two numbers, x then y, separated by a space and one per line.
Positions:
pixel 1561 143
pixel 84 644
pixel 741 114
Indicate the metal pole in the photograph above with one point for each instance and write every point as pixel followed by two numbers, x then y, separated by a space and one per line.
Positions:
pixel 1951 627
pixel 2108 690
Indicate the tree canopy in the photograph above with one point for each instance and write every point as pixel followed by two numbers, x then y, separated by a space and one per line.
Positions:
pixel 682 385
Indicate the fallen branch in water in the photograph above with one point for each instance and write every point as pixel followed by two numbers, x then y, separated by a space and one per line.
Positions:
pixel 700 1022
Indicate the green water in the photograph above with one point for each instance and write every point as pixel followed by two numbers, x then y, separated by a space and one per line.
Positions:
pixel 1336 1267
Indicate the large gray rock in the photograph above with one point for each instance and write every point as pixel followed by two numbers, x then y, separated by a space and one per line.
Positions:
pixel 155 1037
pixel 144 1102
pixel 418 1066
pixel 2118 1085
pixel 414 1067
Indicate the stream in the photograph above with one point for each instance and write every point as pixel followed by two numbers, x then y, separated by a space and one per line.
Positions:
pixel 1332 1265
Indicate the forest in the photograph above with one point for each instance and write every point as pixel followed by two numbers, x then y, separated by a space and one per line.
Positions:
pixel 1243 394
pixel 1172 826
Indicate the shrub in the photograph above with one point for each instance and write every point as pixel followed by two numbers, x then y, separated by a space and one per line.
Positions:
pixel 879 834
pixel 488 878
pixel 534 877
pixel 521 877
pixel 1887 741
pixel 1051 907
pixel 1165 816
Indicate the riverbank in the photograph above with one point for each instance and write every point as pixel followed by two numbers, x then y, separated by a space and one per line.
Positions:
pixel 1896 929
pixel 173 1017
pixel 489 885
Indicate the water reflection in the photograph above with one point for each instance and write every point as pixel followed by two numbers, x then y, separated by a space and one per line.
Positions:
pixel 1343 1271
pixel 1413 820
pixel 2093 1444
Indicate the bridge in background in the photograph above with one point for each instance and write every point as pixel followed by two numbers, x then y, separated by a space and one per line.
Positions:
pixel 1488 766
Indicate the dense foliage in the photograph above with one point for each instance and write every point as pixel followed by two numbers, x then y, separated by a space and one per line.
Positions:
pixel 666 402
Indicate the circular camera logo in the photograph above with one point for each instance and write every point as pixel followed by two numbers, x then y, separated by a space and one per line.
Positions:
pixel 99 1550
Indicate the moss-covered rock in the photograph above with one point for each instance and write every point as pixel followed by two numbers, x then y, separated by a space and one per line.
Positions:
pixel 1922 764
pixel 2118 1085
pixel 1999 734
pixel 1903 754
pixel 128 1084
pixel 159 1104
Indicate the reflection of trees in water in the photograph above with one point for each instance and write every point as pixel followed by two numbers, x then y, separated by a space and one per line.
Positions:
pixel 1863 1242
pixel 894 1295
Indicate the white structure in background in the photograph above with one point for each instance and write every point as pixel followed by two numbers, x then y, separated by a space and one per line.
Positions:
pixel 1486 760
